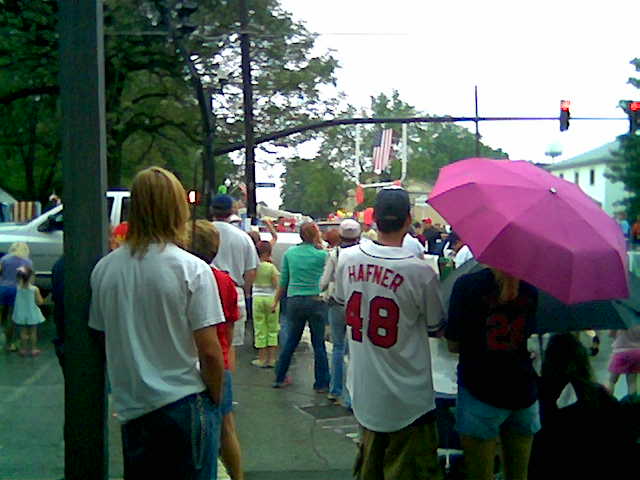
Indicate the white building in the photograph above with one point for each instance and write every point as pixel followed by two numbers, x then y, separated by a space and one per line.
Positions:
pixel 588 172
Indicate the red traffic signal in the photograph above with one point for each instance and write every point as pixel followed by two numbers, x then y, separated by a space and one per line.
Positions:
pixel 565 115
pixel 193 197
pixel 632 109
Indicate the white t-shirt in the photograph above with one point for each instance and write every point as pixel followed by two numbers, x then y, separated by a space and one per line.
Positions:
pixel 148 308
pixel 463 255
pixel 413 245
pixel 236 254
pixel 389 375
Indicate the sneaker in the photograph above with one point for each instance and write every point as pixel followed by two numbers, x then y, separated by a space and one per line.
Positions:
pixel 332 397
pixel 258 363
pixel 36 352
pixel 271 364
pixel 321 390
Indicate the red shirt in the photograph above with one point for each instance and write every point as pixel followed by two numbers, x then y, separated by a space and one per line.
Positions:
pixel 229 301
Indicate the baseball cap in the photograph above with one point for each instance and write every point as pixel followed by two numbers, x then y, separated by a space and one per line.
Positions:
pixel 428 221
pixel 222 202
pixel 392 204
pixel 349 229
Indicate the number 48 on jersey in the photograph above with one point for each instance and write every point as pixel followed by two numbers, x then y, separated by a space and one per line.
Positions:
pixel 383 313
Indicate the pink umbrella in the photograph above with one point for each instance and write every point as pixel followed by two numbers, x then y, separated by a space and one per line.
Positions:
pixel 521 219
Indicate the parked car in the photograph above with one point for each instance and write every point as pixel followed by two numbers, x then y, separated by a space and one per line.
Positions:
pixel 44 234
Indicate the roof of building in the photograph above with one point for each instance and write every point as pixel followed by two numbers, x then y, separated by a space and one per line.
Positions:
pixel 6 198
pixel 603 154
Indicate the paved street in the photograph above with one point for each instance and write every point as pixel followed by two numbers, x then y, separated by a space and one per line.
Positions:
pixel 291 433
pixel 285 434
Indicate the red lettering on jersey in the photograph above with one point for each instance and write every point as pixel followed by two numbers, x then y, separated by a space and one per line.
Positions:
pixel 396 282
pixel 377 274
pixel 352 273
pixel 369 272
pixel 385 279
pixel 360 277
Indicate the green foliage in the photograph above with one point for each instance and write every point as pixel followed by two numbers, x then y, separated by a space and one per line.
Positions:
pixel 313 188
pixel 153 113
pixel 431 145
pixel 628 170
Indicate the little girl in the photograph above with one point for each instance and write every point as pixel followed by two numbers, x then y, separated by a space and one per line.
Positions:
pixel 26 313
pixel 265 321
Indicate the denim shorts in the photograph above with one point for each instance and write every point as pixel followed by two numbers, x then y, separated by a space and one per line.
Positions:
pixel 179 440
pixel 226 404
pixel 477 419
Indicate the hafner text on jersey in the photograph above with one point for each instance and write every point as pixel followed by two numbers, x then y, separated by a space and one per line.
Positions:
pixel 382 276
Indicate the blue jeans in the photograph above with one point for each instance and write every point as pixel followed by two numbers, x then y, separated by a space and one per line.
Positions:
pixel 180 440
pixel 301 310
pixel 338 338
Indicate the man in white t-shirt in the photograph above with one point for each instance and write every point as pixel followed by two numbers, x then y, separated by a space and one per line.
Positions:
pixel 392 301
pixel 237 256
pixel 158 306
pixel 413 245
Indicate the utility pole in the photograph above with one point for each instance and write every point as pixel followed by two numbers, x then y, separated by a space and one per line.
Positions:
pixel 477 124
pixel 247 91
pixel 85 233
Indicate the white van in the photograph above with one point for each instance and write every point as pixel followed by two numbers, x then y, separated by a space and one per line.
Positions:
pixel 44 235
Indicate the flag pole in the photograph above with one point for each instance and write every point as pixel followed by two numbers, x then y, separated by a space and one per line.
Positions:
pixel 358 151
pixel 405 153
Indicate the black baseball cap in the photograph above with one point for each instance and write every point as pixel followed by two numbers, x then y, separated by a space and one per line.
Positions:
pixel 392 204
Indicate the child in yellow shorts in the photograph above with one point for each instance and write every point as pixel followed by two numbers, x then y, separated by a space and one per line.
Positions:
pixel 265 321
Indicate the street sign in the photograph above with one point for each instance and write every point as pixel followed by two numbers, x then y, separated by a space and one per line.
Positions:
pixel 265 185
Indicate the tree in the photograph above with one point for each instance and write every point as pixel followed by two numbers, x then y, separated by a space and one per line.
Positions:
pixel 431 145
pixel 152 109
pixel 313 188
pixel 628 170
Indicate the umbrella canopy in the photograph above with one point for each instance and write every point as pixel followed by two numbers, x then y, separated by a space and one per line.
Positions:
pixel 552 315
pixel 521 219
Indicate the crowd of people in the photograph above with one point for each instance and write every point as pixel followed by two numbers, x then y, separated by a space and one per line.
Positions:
pixel 174 296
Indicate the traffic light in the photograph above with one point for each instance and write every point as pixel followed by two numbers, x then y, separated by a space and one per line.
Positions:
pixel 565 115
pixel 633 111
pixel 193 197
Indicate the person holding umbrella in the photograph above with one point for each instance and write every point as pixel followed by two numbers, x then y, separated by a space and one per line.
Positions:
pixel 490 317
pixel 532 229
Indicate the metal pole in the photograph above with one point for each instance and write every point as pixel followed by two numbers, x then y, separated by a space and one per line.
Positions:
pixel 247 91
pixel 405 152
pixel 358 140
pixel 85 238
pixel 477 124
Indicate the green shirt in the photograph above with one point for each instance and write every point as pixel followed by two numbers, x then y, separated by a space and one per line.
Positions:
pixel 302 267
pixel 264 279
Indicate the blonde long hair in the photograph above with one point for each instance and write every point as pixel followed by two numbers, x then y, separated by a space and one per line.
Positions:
pixel 203 240
pixel 159 210
pixel 509 286
pixel 19 249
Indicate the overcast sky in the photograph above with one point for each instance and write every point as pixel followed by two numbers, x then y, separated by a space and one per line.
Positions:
pixel 523 56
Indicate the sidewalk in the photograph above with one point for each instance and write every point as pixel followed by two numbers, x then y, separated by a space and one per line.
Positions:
pixel 290 433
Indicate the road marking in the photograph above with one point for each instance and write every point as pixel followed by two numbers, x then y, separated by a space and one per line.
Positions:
pixel 22 389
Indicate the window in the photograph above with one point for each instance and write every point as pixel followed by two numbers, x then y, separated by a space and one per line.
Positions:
pixel 576 178
pixel 592 177
pixel 125 209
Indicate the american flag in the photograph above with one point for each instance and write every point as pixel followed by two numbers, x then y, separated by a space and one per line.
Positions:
pixel 382 150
